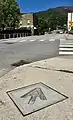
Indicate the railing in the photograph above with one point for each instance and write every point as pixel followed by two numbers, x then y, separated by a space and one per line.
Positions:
pixel 14 35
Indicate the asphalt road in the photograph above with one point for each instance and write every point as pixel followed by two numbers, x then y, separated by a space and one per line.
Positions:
pixel 29 48
pixel 11 53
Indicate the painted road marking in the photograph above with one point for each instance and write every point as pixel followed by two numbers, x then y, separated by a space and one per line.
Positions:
pixel 32 40
pixel 42 40
pixel 52 40
pixel 22 40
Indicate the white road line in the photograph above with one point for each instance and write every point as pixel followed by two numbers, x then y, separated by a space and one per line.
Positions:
pixel 52 40
pixel 62 39
pixel 32 40
pixel 41 40
pixel 66 53
pixel 22 40
pixel 68 49
pixel 66 45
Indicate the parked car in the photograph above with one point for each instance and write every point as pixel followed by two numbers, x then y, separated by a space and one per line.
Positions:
pixel 61 32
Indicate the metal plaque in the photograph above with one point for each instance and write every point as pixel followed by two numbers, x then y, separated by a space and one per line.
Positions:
pixel 35 97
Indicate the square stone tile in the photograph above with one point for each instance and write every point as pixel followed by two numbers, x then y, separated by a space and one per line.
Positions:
pixel 35 97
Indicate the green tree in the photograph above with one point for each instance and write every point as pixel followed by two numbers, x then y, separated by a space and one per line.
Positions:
pixel 42 26
pixel 72 28
pixel 56 17
pixel 9 14
pixel 1 12
pixel 52 22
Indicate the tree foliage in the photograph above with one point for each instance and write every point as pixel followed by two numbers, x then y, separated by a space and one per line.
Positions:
pixel 54 21
pixel 9 14
pixel 54 18
pixel 72 28
pixel 42 26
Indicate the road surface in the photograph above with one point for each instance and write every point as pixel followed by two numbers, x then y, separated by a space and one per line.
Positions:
pixel 14 50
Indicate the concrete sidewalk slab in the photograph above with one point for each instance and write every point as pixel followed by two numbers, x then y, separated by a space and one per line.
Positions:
pixel 57 63
pixel 26 75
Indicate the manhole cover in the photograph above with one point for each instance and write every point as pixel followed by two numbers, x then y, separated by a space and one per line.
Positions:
pixel 35 97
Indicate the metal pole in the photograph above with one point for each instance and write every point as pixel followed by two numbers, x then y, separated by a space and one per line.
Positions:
pixel 17 35
pixel 9 35
pixel 23 34
pixel 4 36
pixel 20 34
pixel 13 35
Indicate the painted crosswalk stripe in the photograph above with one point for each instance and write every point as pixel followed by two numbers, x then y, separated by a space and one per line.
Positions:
pixel 66 53
pixel 62 39
pixel 32 40
pixel 22 40
pixel 41 40
pixel 52 40
pixel 66 45
pixel 68 49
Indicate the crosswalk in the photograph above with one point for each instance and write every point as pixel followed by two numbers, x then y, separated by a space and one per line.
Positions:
pixel 36 40
pixel 30 39
pixel 66 47
pixel 25 40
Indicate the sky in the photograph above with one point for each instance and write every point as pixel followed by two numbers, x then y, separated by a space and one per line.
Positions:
pixel 29 6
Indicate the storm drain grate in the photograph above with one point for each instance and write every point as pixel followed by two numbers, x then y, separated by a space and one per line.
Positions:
pixel 35 97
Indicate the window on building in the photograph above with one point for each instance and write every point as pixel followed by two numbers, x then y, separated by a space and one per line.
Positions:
pixel 28 22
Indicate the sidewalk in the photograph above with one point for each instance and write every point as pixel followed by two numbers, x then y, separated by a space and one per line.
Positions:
pixel 42 71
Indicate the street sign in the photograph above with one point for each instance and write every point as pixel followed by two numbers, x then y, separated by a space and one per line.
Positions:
pixel 70 23
pixel 35 97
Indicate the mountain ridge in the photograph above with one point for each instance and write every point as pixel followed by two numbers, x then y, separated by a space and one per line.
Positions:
pixel 63 10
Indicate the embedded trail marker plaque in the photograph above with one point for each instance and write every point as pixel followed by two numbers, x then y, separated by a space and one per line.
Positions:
pixel 35 97
pixel 37 92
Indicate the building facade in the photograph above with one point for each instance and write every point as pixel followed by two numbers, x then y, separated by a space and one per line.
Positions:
pixel 29 21
pixel 28 26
